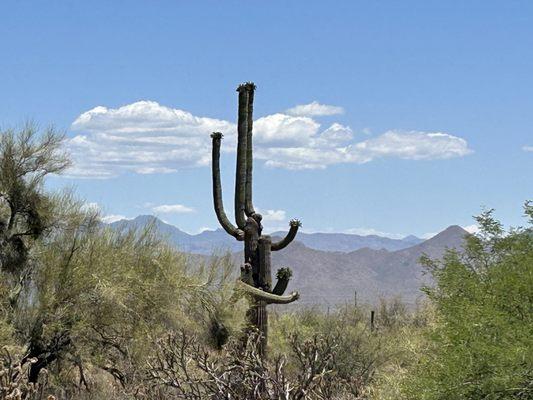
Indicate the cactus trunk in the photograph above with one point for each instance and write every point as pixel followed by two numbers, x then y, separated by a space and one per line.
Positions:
pixel 256 274
pixel 248 206
pixel 240 172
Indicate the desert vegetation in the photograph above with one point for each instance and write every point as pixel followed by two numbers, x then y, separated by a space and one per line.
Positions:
pixel 87 312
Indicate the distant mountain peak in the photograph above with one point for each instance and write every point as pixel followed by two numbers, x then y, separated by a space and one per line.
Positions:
pixel 146 217
pixel 452 230
pixel 411 238
pixel 455 228
pixel 451 237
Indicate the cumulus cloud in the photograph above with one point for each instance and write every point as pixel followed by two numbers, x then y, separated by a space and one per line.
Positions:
pixel 335 135
pixel 314 109
pixel 411 145
pixel 396 144
pixel 527 148
pixel 273 215
pixel 173 209
pixel 147 138
pixel 280 130
pixel 143 137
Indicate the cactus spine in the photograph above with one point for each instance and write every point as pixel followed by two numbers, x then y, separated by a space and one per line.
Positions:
pixel 256 275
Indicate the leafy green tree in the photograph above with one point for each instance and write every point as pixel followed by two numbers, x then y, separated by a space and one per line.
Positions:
pixel 482 344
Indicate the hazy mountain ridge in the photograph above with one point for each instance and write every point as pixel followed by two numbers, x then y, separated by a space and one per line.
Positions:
pixel 329 277
pixel 350 242
pixel 333 277
pixel 208 241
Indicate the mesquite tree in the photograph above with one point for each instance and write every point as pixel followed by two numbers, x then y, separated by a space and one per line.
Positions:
pixel 256 279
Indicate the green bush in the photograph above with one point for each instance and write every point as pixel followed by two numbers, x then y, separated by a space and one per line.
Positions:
pixel 482 345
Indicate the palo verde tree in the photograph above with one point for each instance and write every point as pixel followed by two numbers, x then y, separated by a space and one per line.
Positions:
pixel 256 279
pixel 481 346
pixel 83 297
pixel 25 210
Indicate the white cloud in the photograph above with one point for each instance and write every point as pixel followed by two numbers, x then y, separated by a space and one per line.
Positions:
pixel 314 109
pixel 411 145
pixel 527 148
pixel 109 219
pixel 392 144
pixel 337 134
pixel 143 137
pixel 471 228
pixel 172 209
pixel 280 130
pixel 273 215
pixel 147 138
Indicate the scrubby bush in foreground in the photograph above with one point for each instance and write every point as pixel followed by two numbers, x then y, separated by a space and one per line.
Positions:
pixel 81 300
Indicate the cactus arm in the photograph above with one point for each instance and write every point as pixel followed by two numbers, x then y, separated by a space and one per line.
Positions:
pixel 269 298
pixel 240 174
pixel 294 225
pixel 284 276
pixel 280 288
pixel 248 205
pixel 217 190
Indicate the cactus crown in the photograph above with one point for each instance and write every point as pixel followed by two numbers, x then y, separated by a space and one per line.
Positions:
pixel 284 273
pixel 295 222
pixel 217 135
pixel 246 86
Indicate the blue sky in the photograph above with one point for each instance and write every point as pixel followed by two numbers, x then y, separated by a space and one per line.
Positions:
pixel 413 115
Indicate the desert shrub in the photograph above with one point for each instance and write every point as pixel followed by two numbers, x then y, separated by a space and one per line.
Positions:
pixel 83 301
pixel 404 342
pixel 14 384
pixel 103 297
pixel 481 346
pixel 392 313
pixel 183 368
pixel 359 353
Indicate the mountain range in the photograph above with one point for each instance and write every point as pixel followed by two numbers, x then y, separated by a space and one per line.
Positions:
pixel 330 278
pixel 208 241
pixel 329 268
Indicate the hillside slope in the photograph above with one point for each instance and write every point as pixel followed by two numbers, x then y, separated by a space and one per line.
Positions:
pixel 327 277
pixel 332 277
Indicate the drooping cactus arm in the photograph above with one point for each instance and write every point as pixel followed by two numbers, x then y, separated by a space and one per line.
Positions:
pixel 294 225
pixel 269 298
pixel 248 206
pixel 217 190
pixel 240 174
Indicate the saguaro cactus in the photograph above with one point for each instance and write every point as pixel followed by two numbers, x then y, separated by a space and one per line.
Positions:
pixel 256 279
